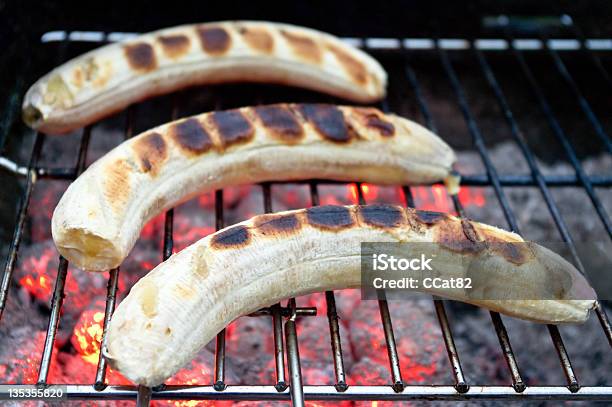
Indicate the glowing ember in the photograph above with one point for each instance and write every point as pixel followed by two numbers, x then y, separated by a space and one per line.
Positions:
pixel 88 335
pixel 36 272
pixel 23 364
pixel 199 371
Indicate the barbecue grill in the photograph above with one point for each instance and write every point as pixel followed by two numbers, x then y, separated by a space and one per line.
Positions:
pixel 441 52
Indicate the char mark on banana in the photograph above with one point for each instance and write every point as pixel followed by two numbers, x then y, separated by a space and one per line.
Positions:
pixel 428 217
pixel 141 57
pixel 272 225
pixel 330 217
pixel 354 68
pixel 214 40
pixel 191 136
pixel 232 127
pixel 328 120
pixel 304 47
pixel 233 237
pixel 281 122
pixel 152 152
pixel 384 216
pixel 372 120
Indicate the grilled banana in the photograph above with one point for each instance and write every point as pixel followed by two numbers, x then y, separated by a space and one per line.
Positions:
pixel 110 78
pixel 99 218
pixel 184 302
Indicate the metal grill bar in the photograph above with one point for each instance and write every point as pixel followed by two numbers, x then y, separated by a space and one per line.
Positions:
pixel 58 291
pixel 279 350
pixel 144 393
pixel 500 329
pixel 329 393
pixel 293 357
pixel 219 380
pixel 451 350
pixel 584 105
pixel 479 142
pixel 332 317
pixel 562 137
pixel 537 176
pixel 111 289
pixel 23 210
pixel 385 316
pixel 507 180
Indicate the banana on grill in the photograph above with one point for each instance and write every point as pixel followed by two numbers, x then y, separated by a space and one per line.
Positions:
pixel 185 301
pixel 99 217
pixel 107 79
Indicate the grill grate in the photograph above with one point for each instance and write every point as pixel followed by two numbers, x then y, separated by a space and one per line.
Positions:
pixel 286 344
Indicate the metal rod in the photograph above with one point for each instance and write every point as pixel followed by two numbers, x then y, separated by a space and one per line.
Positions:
pixel 356 393
pixel 111 298
pixel 144 393
pixel 511 219
pixel 168 238
pixel 279 350
pixel 18 232
pixel 60 281
pixel 332 318
pixel 293 359
pixel 143 397
pixel 56 305
pixel 507 180
pixel 394 363
pixel 451 350
pixel 453 356
pixel 286 312
pixel 539 179
pixel 562 137
pixel 385 316
pixel 112 285
pixel 572 380
pixel 502 335
pixel 582 102
pixel 219 379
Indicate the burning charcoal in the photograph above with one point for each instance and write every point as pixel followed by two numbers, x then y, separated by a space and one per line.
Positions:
pixel 191 224
pixel 87 335
pixel 336 195
pixel 536 356
pixel 285 403
pixel 45 197
pixel 88 331
pixel 346 302
pixel 417 334
pixel 36 272
pixel 315 350
pixel 20 357
pixel 290 196
pixel 250 345
pixel 201 370
pixel 370 372
pixel 247 207
pixel 137 264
